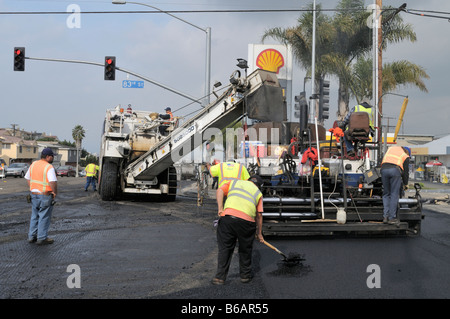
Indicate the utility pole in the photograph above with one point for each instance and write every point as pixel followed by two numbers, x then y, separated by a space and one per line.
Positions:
pixel 313 108
pixel 380 64
pixel 377 70
pixel 14 128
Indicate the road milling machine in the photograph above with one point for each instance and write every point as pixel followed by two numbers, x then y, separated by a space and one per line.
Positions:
pixel 137 157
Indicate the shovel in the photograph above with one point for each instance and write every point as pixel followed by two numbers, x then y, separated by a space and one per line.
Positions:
pixel 293 260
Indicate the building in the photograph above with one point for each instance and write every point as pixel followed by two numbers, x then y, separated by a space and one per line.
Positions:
pixel 15 149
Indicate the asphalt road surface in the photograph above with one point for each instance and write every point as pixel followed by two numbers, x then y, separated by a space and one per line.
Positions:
pixel 133 249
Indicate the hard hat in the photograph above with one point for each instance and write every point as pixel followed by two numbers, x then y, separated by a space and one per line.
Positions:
pixel 168 109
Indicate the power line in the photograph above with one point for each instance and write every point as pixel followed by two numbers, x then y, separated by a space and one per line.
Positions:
pixel 422 13
pixel 183 11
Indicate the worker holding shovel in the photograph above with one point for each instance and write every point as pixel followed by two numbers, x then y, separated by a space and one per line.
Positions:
pixel 240 219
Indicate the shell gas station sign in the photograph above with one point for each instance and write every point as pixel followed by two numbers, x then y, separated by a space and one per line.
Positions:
pixel 275 58
pixel 271 57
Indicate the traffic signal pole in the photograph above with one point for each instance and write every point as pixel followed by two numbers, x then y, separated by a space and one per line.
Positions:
pixel 197 100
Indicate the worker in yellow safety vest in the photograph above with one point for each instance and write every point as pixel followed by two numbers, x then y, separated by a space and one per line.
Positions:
pixel 394 175
pixel 91 176
pixel 41 177
pixel 240 219
pixel 228 171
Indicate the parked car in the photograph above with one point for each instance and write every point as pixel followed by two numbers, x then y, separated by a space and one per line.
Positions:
pixel 17 169
pixel 82 173
pixel 66 170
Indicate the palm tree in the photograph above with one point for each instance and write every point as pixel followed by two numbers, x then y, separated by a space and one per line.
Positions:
pixel 300 39
pixel 78 134
pixel 340 42
pixel 394 74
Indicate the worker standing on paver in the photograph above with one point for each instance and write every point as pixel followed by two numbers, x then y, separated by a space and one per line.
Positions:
pixel 240 218
pixel 91 176
pixel 228 171
pixel 42 181
pixel 394 175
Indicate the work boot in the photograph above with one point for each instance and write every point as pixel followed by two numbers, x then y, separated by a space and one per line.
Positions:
pixel 394 221
pixel 217 281
pixel 32 240
pixel 351 153
pixel 246 280
pixel 385 220
pixel 46 241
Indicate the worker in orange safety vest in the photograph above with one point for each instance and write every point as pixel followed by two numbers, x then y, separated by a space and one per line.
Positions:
pixel 41 177
pixel 394 174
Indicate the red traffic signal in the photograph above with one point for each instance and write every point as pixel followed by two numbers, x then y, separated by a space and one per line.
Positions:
pixel 110 68
pixel 19 59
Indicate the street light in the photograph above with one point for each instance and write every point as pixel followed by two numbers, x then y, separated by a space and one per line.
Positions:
pixel 208 42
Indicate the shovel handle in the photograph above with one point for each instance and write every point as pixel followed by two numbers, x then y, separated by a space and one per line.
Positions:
pixel 273 247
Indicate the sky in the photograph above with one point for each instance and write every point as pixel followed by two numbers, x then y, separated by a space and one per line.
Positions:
pixel 54 97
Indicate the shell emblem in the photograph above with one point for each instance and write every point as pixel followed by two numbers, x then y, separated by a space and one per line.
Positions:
pixel 270 60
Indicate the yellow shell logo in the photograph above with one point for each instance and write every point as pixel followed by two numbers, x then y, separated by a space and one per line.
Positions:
pixel 270 60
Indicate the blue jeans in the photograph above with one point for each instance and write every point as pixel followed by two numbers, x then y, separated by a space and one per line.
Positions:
pixel 41 214
pixel 392 183
pixel 90 180
pixel 348 144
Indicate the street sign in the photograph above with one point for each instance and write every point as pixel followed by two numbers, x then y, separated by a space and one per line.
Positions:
pixel 128 84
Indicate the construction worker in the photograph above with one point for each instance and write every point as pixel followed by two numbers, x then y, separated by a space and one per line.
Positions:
pixel 363 107
pixel 168 116
pixel 240 219
pixel 91 176
pixel 394 174
pixel 228 171
pixel 41 177
pixel 215 183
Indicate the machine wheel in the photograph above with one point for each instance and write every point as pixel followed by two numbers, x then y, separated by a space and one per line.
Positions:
pixel 108 187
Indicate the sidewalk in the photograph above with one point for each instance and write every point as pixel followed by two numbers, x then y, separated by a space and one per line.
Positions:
pixel 435 196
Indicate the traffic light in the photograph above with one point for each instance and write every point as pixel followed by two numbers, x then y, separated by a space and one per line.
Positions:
pixel 19 59
pixel 299 99
pixel 110 68
pixel 301 107
pixel 324 100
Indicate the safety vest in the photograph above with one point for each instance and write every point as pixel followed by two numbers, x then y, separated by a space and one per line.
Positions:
pixel 91 170
pixel 243 196
pixel 229 171
pixel 171 118
pixel 395 155
pixel 369 110
pixel 38 176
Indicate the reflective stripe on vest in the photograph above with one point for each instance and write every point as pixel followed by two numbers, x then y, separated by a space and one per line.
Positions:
pixel 360 108
pixel 38 176
pixel 395 155
pixel 243 196
pixel 233 177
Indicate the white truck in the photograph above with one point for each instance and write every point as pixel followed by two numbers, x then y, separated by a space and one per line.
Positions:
pixel 136 158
